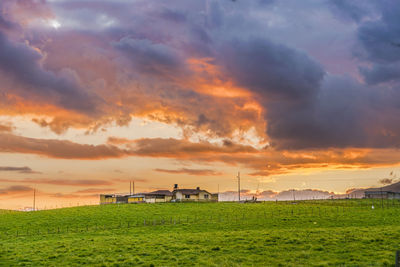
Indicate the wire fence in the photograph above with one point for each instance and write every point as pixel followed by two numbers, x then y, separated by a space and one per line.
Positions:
pixel 291 211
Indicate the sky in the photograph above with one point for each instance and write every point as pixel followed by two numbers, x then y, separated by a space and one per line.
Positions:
pixel 293 94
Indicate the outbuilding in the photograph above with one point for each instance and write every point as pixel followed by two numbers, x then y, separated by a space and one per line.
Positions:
pixel 386 192
pixel 158 196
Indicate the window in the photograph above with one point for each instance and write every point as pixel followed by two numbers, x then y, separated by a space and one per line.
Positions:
pixel 206 196
pixel 187 196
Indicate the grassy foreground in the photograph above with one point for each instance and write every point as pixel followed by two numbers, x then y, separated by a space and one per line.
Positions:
pixel 319 233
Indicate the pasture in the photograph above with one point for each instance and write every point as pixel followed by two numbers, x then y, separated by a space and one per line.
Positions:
pixel 305 233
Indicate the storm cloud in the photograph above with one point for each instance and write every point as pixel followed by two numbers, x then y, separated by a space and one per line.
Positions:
pixel 21 62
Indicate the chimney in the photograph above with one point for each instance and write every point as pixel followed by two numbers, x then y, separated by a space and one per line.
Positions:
pixel 198 188
pixel 175 186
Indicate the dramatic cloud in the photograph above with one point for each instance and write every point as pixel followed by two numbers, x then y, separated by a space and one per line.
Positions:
pixel 161 147
pixel 354 10
pixel 273 71
pixel 194 65
pixel 151 58
pixel 380 41
pixel 58 148
pixel 264 162
pixel 21 63
pixel 198 172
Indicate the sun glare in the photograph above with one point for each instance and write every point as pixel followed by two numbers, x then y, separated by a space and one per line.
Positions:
pixel 55 24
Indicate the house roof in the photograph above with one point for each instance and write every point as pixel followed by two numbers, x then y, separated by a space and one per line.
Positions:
pixel 190 191
pixel 388 188
pixel 160 192
pixel 156 193
pixel 136 195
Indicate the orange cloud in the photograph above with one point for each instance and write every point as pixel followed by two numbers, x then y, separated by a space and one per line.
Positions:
pixel 58 148
pixel 264 162
pixel 209 79
pixel 5 128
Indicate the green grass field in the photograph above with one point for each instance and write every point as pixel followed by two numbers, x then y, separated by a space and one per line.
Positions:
pixel 309 233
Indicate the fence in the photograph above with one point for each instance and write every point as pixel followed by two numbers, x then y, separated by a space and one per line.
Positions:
pixel 282 214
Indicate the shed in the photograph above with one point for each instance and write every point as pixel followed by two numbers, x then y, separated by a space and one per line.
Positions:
pixel 391 191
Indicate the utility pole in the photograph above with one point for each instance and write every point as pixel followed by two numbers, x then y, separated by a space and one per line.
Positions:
pixel 133 187
pixel 130 187
pixel 34 199
pixel 294 197
pixel 238 176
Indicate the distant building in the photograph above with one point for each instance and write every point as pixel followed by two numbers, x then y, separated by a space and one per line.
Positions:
pixel 387 192
pixel 136 198
pixel 108 199
pixel 160 196
pixel 193 195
